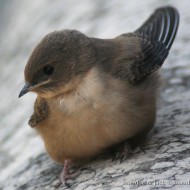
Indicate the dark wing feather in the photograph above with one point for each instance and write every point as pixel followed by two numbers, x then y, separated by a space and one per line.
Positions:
pixel 155 37
pixel 161 26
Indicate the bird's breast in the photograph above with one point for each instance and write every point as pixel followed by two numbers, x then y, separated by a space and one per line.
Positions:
pixel 96 116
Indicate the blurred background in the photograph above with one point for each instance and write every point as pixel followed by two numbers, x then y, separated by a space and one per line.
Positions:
pixel 23 23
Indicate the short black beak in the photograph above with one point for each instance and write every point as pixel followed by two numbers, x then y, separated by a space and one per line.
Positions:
pixel 25 89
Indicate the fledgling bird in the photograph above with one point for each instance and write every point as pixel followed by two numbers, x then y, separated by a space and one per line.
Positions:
pixel 94 93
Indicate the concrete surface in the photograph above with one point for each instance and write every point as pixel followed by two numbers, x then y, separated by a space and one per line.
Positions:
pixel 24 163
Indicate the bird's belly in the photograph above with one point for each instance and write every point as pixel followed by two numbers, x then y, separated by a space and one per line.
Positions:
pixel 80 137
pixel 86 134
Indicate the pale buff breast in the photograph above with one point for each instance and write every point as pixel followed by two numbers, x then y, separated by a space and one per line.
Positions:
pixel 98 114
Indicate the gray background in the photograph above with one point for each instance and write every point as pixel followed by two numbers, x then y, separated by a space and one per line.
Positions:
pixel 23 161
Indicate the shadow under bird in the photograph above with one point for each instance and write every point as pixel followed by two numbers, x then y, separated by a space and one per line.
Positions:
pixel 94 93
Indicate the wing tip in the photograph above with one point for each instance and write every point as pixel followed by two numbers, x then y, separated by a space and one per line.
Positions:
pixel 161 26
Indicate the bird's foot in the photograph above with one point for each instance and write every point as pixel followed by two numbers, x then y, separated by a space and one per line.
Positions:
pixel 122 153
pixel 66 175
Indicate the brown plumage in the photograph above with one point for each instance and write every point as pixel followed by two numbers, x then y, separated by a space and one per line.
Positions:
pixel 94 93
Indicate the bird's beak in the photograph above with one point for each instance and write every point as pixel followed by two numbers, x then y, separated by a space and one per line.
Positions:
pixel 25 89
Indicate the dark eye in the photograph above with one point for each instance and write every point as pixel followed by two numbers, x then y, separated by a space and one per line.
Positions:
pixel 48 70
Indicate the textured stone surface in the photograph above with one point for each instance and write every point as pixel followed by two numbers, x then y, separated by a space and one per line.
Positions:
pixel 23 161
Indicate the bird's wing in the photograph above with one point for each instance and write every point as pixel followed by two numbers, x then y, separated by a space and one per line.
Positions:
pixel 154 38
pixel 41 111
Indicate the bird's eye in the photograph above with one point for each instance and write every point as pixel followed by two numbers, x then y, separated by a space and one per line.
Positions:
pixel 48 70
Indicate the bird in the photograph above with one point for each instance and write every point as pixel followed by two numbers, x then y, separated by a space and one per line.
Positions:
pixel 95 93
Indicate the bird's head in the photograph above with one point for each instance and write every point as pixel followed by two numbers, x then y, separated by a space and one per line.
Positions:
pixel 58 63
